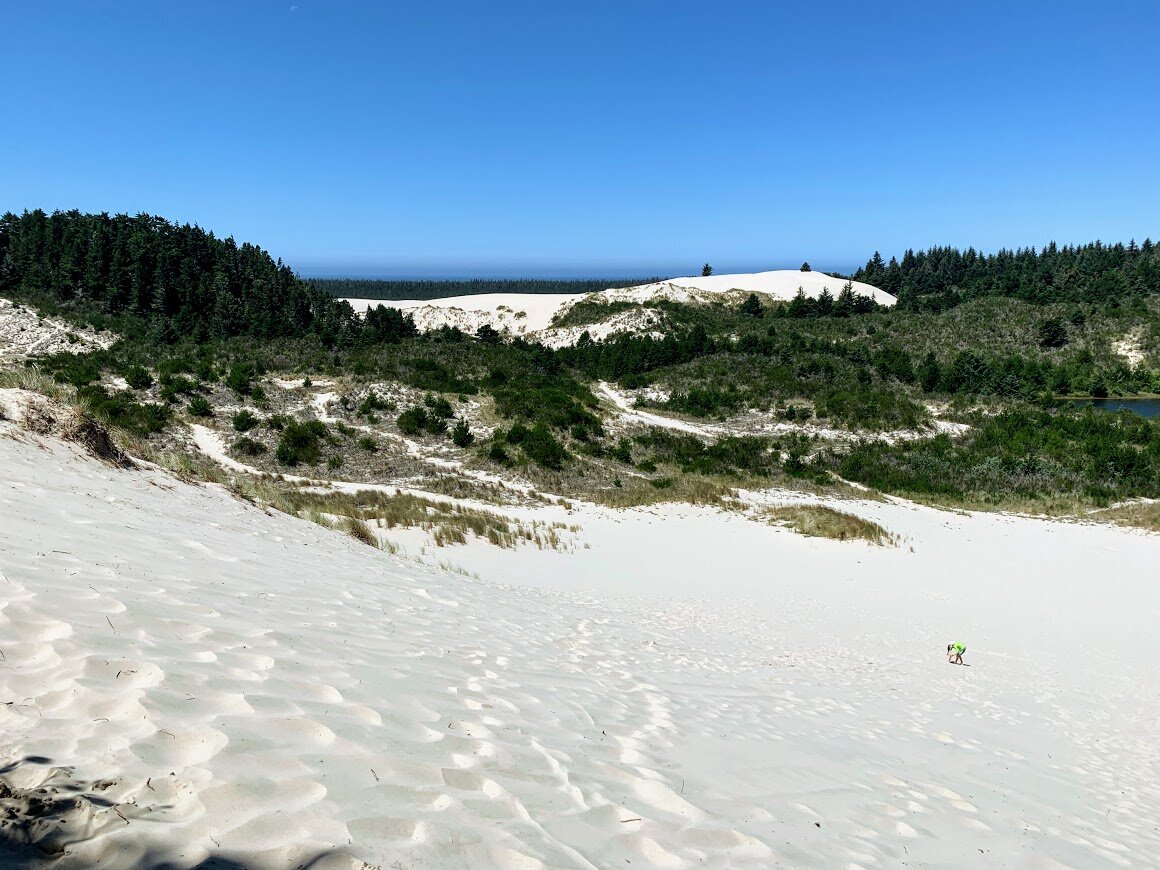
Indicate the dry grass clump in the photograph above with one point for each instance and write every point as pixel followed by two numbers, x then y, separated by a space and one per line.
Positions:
pixel 360 531
pixel 193 468
pixel 819 521
pixel 685 488
pixel 43 411
pixel 460 487
pixel 34 380
pixel 358 513
pixel 1138 515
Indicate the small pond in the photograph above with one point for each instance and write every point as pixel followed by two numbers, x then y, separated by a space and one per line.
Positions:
pixel 1143 407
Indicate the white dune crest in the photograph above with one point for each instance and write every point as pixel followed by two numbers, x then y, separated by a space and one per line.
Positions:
pixel 530 315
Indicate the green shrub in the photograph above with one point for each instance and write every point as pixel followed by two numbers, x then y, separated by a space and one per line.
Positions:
pixel 199 406
pixel 248 446
pixel 373 403
pixel 241 378
pixel 138 378
pixel 245 420
pixel 461 435
pixel 142 419
pixel 622 451
pixel 543 449
pixel 416 420
pixel 300 442
pixel 366 442
pixel 173 386
pixel 68 368
pixel 439 406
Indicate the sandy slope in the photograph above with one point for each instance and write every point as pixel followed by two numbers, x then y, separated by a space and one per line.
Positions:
pixel 24 333
pixel 530 315
pixel 695 690
pixel 628 411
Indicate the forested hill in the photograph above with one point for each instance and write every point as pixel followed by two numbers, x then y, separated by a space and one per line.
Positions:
pixel 367 288
pixel 941 278
pixel 178 275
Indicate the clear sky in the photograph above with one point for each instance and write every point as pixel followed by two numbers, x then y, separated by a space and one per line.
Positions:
pixel 627 137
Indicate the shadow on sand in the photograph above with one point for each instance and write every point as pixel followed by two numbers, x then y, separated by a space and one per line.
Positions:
pixel 40 824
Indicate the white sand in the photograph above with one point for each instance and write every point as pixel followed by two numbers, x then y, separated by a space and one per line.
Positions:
pixel 501 310
pixel 695 690
pixel 530 315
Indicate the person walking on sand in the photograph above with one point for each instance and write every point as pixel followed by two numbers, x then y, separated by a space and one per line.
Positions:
pixel 955 652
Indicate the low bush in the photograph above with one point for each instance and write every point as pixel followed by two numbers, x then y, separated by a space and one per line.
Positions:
pixel 138 378
pixel 248 446
pixel 300 442
pixel 542 448
pixel 140 418
pixel 461 434
pixel 245 420
pixel 199 406
pixel 417 420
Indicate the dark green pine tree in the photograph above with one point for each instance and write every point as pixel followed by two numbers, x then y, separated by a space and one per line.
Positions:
pixel 752 306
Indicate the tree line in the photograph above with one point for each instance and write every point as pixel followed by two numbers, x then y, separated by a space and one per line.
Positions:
pixel 192 282
pixel 942 277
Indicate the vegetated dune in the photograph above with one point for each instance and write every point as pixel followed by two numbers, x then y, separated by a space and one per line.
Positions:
pixel 24 333
pixel 531 315
pixel 185 677
pixel 502 310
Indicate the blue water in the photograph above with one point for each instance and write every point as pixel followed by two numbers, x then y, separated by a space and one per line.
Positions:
pixel 1143 407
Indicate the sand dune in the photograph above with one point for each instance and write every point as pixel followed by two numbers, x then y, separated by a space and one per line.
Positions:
pixel 530 315
pixel 187 677
pixel 779 284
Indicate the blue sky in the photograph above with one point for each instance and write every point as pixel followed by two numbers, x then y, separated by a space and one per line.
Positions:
pixel 630 137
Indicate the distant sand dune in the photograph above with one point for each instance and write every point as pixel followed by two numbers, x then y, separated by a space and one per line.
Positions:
pixel 531 315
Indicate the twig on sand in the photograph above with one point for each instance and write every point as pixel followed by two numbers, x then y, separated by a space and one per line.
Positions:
pixel 110 624
pixel 122 815
pixel 623 821
pixel 375 775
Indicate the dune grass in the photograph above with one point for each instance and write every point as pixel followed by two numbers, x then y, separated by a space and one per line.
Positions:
pixel 684 488
pixel 1138 515
pixel 361 514
pixel 819 521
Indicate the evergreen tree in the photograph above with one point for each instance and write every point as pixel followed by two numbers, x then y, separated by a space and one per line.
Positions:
pixel 1052 333
pixel 706 270
pixel 752 306
pixel 929 373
